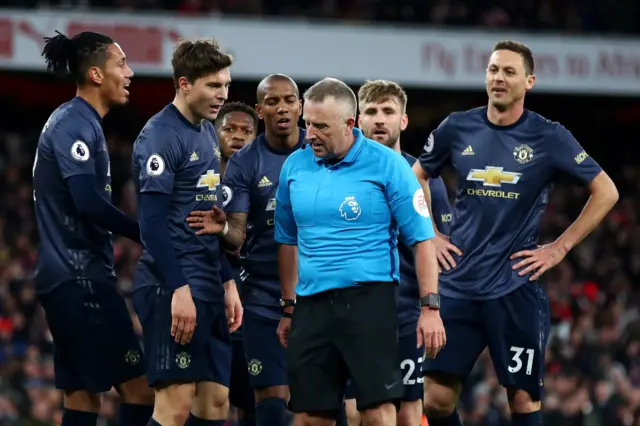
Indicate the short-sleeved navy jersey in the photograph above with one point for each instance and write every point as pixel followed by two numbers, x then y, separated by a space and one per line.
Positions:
pixel 249 186
pixel 71 248
pixel 408 290
pixel 175 157
pixel 505 174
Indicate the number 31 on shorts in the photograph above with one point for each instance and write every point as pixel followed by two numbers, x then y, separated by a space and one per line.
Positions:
pixel 517 359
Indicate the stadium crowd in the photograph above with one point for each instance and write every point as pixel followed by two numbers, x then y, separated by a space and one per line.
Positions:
pixel 594 16
pixel 594 351
pixel 593 371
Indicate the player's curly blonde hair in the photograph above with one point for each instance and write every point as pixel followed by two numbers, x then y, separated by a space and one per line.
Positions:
pixel 378 91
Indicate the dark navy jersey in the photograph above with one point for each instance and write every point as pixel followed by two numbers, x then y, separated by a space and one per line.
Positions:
pixel 249 185
pixel 505 174
pixel 408 290
pixel 175 157
pixel 70 247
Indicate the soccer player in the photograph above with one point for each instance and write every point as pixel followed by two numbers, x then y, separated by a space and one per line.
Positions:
pixel 183 282
pixel 237 125
pixel 96 347
pixel 382 118
pixel 340 206
pixel 506 159
pixel 251 181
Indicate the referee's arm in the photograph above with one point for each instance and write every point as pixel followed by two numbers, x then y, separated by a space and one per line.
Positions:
pixel 411 212
pixel 286 233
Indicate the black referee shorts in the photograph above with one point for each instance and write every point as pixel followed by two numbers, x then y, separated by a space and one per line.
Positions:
pixel 342 334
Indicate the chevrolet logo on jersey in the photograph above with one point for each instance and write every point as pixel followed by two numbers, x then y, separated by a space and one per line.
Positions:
pixel 493 176
pixel 210 180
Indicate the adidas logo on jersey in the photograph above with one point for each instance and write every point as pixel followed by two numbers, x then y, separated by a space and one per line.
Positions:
pixel 264 182
pixel 194 156
pixel 468 151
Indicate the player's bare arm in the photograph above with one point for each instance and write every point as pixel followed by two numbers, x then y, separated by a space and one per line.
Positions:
pixel 237 229
pixel 604 196
pixel 232 227
pixel 233 305
pixel 430 332
pixel 288 270
pixel 444 247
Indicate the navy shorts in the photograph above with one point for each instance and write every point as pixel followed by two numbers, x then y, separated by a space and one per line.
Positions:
pixel 207 358
pixel 515 327
pixel 240 391
pixel 95 346
pixel 411 366
pixel 265 355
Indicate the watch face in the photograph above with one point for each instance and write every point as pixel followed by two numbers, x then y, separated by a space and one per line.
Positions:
pixel 434 300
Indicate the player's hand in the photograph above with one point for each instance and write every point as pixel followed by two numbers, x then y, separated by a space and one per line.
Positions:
pixel 444 248
pixel 183 315
pixel 283 329
pixel 208 221
pixel 539 260
pixel 431 332
pixel 233 306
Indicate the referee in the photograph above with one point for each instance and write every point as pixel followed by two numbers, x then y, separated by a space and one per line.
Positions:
pixel 340 205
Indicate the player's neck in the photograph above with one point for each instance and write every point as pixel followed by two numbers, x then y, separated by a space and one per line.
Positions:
pixel 506 117
pixel 396 146
pixel 282 143
pixel 92 97
pixel 182 106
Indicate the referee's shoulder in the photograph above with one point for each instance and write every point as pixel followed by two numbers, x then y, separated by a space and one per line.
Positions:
pixel 301 157
pixel 381 152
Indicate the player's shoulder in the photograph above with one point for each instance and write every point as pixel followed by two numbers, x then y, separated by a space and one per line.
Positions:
pixel 74 116
pixel 159 132
pixel 544 127
pixel 410 158
pixel 250 152
pixel 473 115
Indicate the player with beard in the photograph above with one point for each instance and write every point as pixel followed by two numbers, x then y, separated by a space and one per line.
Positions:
pixel 250 183
pixel 506 159
pixel 184 292
pixel 96 347
pixel 237 125
pixel 382 118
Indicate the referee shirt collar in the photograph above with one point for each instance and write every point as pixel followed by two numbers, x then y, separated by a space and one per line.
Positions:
pixel 353 151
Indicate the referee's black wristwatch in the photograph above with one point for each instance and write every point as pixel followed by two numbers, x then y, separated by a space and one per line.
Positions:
pixel 287 303
pixel 431 301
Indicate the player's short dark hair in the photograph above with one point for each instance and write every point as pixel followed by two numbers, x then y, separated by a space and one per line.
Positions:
pixel 237 107
pixel 196 59
pixel 378 91
pixel 331 87
pixel 520 49
pixel 74 56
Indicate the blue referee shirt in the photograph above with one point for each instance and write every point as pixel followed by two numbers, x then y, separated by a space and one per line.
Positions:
pixel 345 218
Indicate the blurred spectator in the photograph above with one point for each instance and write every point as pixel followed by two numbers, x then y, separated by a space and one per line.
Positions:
pixel 591 16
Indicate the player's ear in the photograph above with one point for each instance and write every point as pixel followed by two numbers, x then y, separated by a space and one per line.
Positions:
pixel 531 81
pixel 259 111
pixel 96 75
pixel 300 108
pixel 184 84
pixel 404 122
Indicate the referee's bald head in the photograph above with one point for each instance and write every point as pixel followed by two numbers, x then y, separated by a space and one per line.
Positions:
pixel 336 89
